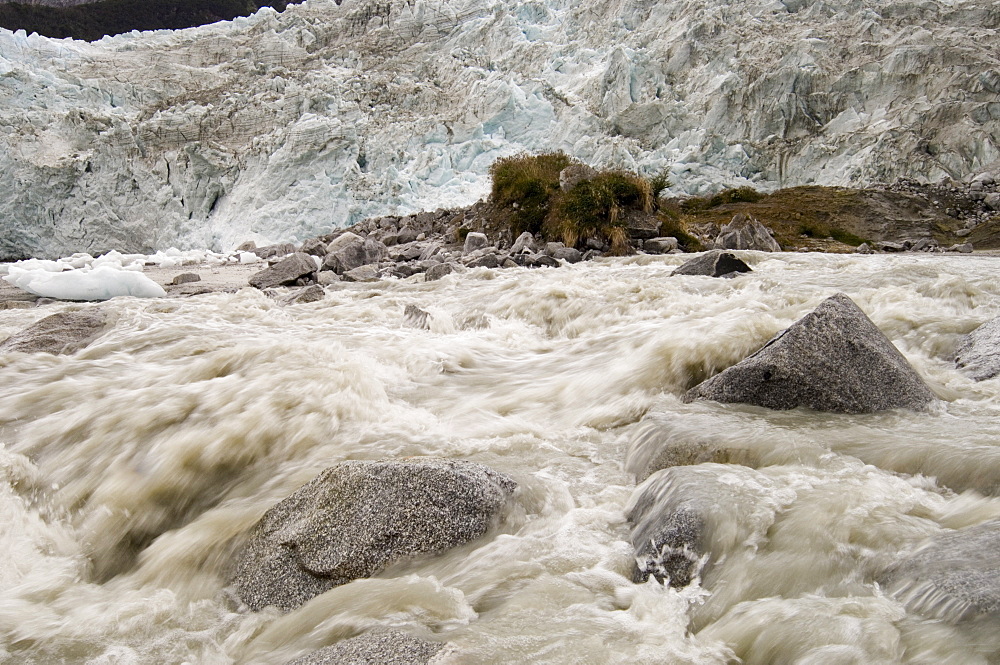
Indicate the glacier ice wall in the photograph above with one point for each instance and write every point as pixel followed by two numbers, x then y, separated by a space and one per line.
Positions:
pixel 280 126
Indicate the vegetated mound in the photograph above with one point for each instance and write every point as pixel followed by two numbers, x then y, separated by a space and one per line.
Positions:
pixel 94 20
pixel 836 219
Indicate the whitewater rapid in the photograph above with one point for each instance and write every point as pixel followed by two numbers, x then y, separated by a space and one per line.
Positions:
pixel 133 470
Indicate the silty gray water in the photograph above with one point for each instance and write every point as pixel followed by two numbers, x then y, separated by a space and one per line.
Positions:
pixel 135 468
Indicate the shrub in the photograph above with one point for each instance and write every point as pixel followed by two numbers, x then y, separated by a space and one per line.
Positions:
pixel 738 195
pixel 597 207
pixel 528 182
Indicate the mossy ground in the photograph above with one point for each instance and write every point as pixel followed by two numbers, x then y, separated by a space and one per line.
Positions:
pixel 828 219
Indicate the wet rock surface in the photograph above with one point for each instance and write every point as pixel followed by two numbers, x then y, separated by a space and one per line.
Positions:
pixel 833 359
pixel 979 353
pixel 953 577
pixel 375 648
pixel 65 332
pixel 714 263
pixel 357 517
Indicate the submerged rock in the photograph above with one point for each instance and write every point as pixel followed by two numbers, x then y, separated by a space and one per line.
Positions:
pixel 714 263
pixel 286 271
pixel 833 359
pixel 686 518
pixel 384 648
pixel 414 317
pixel 979 352
pixel 357 517
pixel 953 577
pixel 65 332
pixel 313 293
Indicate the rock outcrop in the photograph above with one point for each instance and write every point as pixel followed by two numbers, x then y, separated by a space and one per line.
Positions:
pixel 833 359
pixel 714 263
pixel 356 518
pixel 953 577
pixel 979 353
pixel 383 648
pixel 744 232
pixel 65 332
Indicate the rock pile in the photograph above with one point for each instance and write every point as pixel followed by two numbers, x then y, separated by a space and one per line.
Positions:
pixel 426 243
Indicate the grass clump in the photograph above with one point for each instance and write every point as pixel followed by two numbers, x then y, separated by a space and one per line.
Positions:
pixel 526 188
pixel 597 208
pixel 527 183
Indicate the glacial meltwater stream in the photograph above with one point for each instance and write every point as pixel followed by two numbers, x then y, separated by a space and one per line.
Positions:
pixel 135 468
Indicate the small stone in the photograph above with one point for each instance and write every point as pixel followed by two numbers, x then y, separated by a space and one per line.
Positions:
pixel 475 241
pixel 745 232
pixel 488 260
pixel 314 246
pixel 524 243
pixel 438 271
pixel 551 247
pixel 660 245
pixel 247 246
pixel 365 273
pixel 308 294
pixel 864 248
pixel 327 277
pixel 978 353
pixel 992 201
pixel 185 278
pixel 567 254
pixel 273 251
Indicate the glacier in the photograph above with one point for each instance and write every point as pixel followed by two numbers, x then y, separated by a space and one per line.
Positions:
pixel 281 126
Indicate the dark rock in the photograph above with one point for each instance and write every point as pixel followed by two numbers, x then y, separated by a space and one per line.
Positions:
pixel 286 271
pixel 358 517
pixel 475 241
pixel 552 247
pixel 314 246
pixel 414 317
pixel 350 251
pixel 437 271
pixel 486 260
pixel 272 251
pixel 715 263
pixel 524 243
pixel 408 252
pixel 65 332
pixel 865 248
pixel 375 648
pixel 567 254
pixel 833 359
pixel 247 246
pixel 745 232
pixel 406 235
pixel 953 577
pixel 185 278
pixel 365 273
pixel 888 246
pixel 660 245
pixel 541 261
pixel 312 293
pixel 979 352
pixel 992 201
pixel 642 225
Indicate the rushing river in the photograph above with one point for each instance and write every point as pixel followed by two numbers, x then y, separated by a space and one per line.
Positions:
pixel 135 468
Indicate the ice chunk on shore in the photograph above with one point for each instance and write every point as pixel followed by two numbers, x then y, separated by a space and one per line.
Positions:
pixel 100 283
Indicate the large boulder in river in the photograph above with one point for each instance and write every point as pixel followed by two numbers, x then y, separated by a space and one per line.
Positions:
pixel 833 359
pixel 714 263
pixel 390 647
pixel 358 517
pixel 64 332
pixel 953 577
pixel 979 353
pixel 349 251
